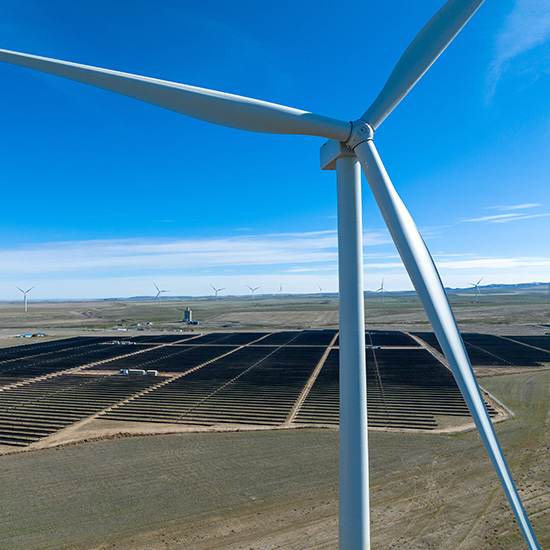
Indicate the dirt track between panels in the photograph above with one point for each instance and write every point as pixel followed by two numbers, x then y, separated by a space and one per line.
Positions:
pixel 278 489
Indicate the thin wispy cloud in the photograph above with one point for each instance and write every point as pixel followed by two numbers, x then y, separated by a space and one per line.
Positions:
pixel 506 218
pixel 138 255
pixel 526 27
pixel 311 269
pixel 496 263
pixel 513 207
pixel 512 213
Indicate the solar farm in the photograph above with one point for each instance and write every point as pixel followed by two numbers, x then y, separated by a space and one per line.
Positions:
pixel 277 379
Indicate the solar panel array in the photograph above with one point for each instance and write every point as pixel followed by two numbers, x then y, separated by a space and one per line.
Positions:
pixel 406 388
pixel 17 366
pixel 541 342
pixel 168 359
pixel 387 338
pixel 500 351
pixel 253 385
pixel 260 378
pixel 37 409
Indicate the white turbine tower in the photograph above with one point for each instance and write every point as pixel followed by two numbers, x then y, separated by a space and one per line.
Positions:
pixel 25 292
pixel 381 290
pixel 280 292
pixel 253 291
pixel 349 148
pixel 159 294
pixel 216 290
pixel 476 285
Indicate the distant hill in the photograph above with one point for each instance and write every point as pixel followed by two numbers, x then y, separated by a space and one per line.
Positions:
pixel 520 287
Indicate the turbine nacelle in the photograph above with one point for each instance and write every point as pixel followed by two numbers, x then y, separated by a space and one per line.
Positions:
pixel 333 150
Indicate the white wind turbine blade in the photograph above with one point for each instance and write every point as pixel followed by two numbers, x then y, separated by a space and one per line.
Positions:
pixel 20 289
pixel 30 289
pixel 431 292
pixel 220 108
pixel 158 291
pixel 479 281
pixel 428 45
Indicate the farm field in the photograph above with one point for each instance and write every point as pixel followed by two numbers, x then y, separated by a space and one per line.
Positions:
pixel 498 310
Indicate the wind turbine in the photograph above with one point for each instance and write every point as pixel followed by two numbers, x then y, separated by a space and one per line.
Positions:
pixel 280 292
pixel 159 294
pixel 253 290
pixel 25 292
pixel 381 290
pixel 216 290
pixel 349 148
pixel 476 285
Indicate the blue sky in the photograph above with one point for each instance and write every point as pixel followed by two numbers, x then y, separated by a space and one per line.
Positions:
pixel 104 195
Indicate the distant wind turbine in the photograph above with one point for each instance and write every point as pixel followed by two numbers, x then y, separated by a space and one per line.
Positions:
pixel 25 292
pixel 381 290
pixel 476 285
pixel 253 290
pixel 350 148
pixel 216 290
pixel 159 294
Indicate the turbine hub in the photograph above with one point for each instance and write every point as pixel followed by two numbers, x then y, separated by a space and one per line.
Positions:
pixel 360 132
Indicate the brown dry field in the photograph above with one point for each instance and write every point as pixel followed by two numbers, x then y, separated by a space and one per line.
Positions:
pixel 498 314
pixel 278 489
